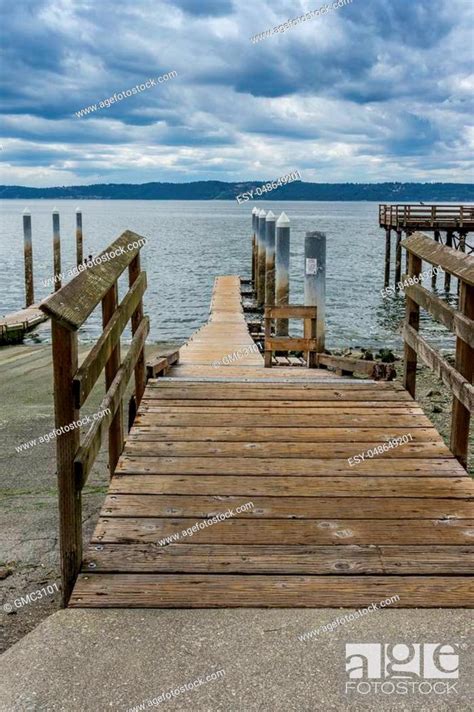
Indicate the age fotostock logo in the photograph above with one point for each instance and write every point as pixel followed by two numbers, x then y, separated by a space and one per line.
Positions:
pixel 402 668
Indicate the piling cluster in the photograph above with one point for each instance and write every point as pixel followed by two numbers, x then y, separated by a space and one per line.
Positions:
pixel 28 251
pixel 271 268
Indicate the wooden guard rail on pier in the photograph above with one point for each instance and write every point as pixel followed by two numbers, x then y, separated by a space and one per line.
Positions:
pixel 68 309
pixel 308 344
pixel 427 217
pixel 460 322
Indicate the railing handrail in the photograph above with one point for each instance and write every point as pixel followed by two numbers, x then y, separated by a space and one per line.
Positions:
pixel 457 378
pixel 69 308
pixel 74 303
pixel 457 263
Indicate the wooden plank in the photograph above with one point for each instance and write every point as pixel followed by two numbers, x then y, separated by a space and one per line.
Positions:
pixel 291 311
pixel 349 364
pixel 299 531
pixel 93 364
pixel 76 301
pixel 279 559
pixel 216 591
pixel 457 263
pixel 90 446
pixel 261 466
pixel 327 395
pixel 455 321
pixel 460 386
pixel 285 407
pixel 240 434
pixel 292 390
pixel 280 421
pixel 148 505
pixel 112 365
pixel 336 486
pixel 147 448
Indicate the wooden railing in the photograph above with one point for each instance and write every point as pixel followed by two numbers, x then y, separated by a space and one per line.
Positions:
pixel 68 309
pixel 308 344
pixel 401 216
pixel 459 321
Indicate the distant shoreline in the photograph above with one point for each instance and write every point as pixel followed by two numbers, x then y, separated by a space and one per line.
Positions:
pixel 219 190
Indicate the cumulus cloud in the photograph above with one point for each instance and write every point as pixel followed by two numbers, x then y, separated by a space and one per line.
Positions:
pixel 377 90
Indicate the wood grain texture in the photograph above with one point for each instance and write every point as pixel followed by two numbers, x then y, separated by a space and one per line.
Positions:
pixel 322 531
pixel 214 591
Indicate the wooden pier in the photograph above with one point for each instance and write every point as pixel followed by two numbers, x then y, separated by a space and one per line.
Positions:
pixel 456 221
pixel 310 522
pixel 209 438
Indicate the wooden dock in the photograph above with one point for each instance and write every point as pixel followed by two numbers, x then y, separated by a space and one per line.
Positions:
pixel 211 437
pixel 13 327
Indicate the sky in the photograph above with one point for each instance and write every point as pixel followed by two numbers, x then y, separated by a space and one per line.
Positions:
pixel 376 90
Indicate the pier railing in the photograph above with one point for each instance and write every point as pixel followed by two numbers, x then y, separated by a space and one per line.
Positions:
pixel 460 322
pixel 308 344
pixel 426 216
pixel 68 309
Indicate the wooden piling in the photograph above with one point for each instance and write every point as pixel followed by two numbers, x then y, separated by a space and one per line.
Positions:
pixel 261 260
pixel 56 250
pixel 270 259
pixel 315 282
pixel 79 252
pixel 28 254
pixel 464 363
pixel 435 273
pixel 388 233
pixel 282 270
pixel 254 248
pixel 398 259
pixel 447 276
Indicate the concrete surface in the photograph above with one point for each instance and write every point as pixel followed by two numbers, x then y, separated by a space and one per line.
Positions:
pixel 97 660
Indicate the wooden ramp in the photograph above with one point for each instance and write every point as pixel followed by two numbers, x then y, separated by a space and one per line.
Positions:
pixel 316 531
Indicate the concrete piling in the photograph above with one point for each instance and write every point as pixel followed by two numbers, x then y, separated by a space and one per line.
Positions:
pixel 315 281
pixel 270 258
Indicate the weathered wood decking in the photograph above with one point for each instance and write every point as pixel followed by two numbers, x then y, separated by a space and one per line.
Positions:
pixel 320 532
pixel 13 327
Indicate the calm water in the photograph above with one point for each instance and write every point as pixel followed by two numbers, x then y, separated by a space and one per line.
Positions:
pixel 190 242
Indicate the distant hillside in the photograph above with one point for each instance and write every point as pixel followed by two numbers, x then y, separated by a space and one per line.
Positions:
pixel 217 190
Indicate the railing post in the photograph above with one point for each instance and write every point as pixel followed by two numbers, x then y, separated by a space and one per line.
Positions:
pixel 270 258
pixel 28 254
pixel 109 305
pixel 65 362
pixel 447 276
pixel 398 258
pixel 79 252
pixel 464 363
pixel 137 316
pixel 261 260
pixel 315 281
pixel 56 250
pixel 435 274
pixel 282 270
pixel 268 333
pixel 412 318
pixel 388 233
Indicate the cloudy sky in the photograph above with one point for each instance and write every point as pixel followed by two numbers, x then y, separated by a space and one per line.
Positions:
pixel 376 90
